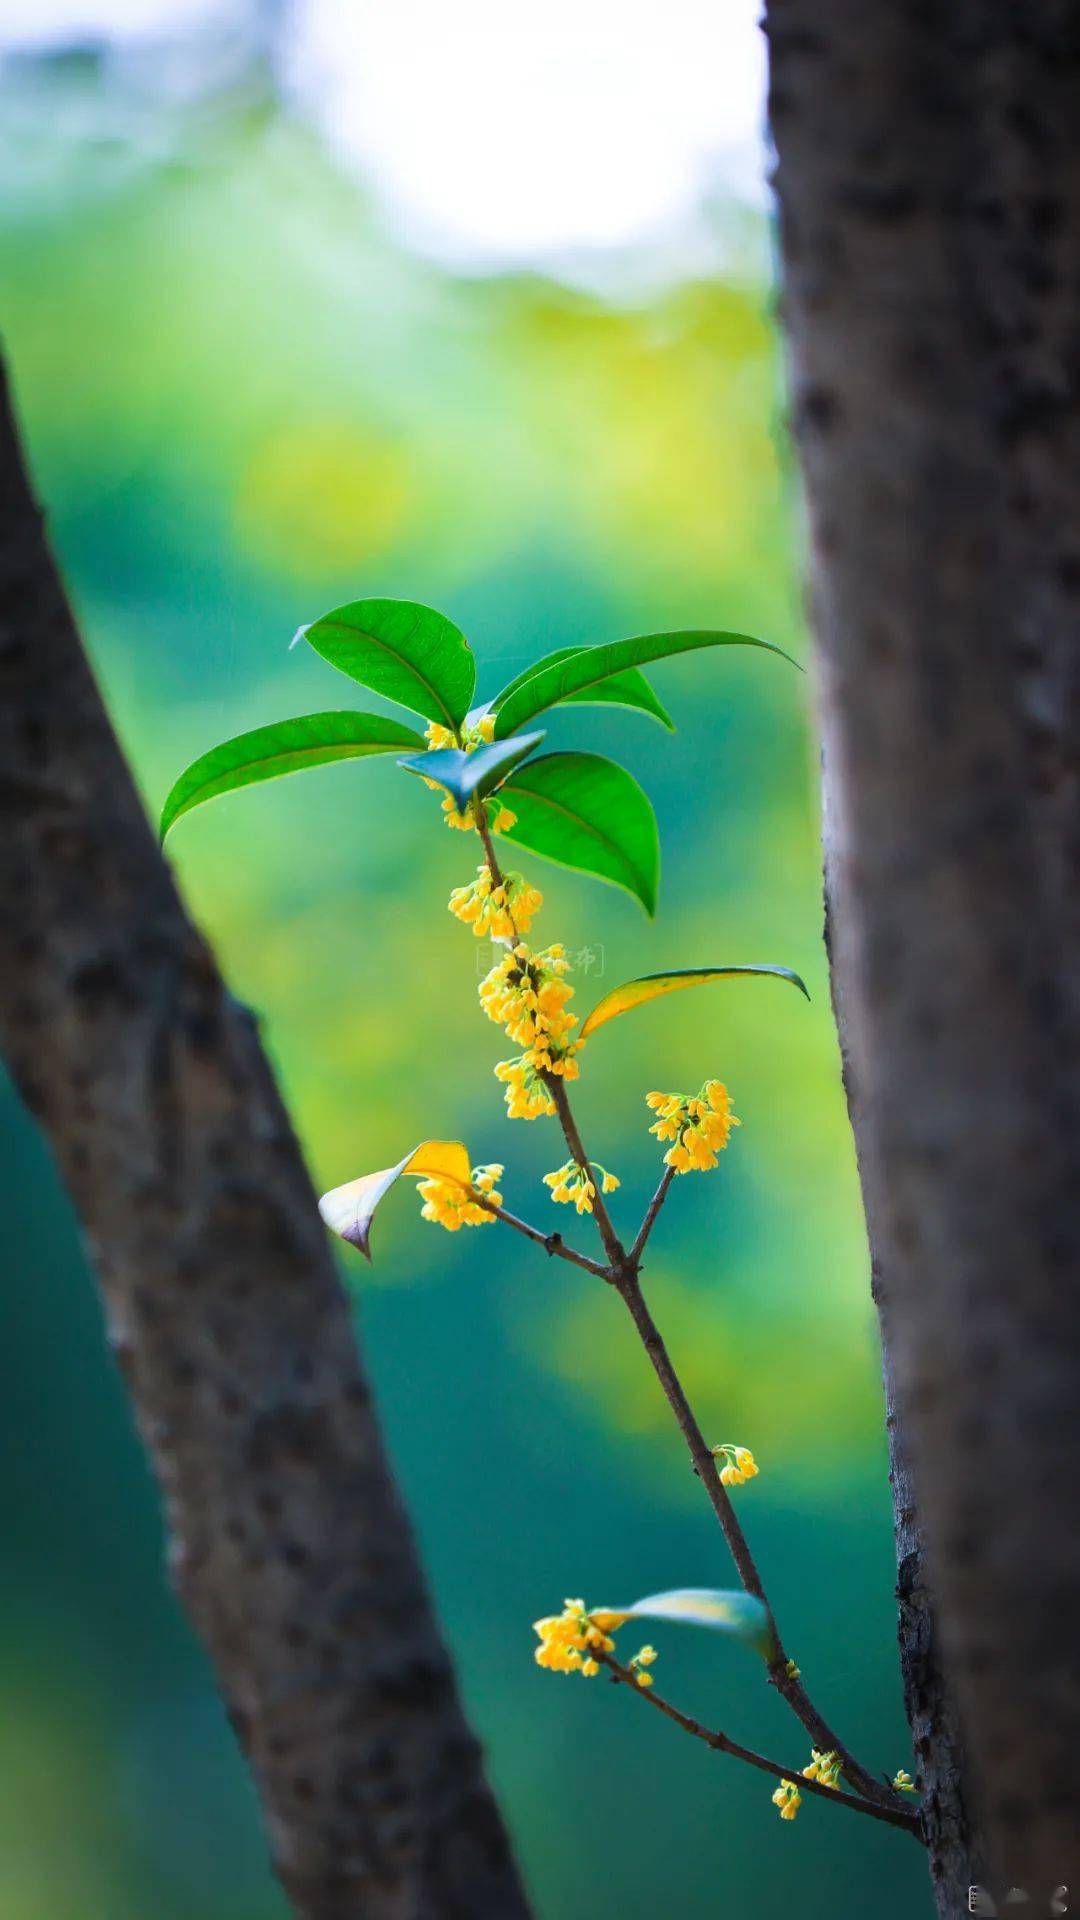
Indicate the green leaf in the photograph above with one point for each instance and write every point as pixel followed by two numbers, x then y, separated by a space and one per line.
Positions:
pixel 586 812
pixel 651 986
pixel 468 776
pixel 741 1615
pixel 627 689
pixel 348 1211
pixel 562 679
pixel 311 740
pixel 400 649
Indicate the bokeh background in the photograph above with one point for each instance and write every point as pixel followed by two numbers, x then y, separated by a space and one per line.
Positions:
pixel 316 302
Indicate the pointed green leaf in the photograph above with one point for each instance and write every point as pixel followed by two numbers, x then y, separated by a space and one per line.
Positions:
pixel 348 1211
pixel 584 671
pixel 400 649
pixel 468 776
pixel 741 1615
pixel 627 689
pixel 586 812
pixel 311 740
pixel 651 986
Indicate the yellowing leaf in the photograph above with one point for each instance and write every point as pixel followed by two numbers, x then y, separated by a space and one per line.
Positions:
pixel 651 986
pixel 348 1210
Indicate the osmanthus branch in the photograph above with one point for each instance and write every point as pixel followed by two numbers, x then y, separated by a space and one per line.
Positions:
pixel 622 1273
pixel 893 1815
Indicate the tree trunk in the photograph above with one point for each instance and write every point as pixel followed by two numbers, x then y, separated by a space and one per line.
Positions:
pixel 289 1545
pixel 929 185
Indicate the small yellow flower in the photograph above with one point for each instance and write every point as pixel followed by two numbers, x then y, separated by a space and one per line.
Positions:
pixel 570 1640
pixel 793 1672
pixel 788 1798
pixel 824 1767
pixel 643 1658
pixel 903 1782
pixel 438 737
pixel 698 1125
pixel 526 1096
pixel 451 1206
pixel 739 1464
pixel 571 1186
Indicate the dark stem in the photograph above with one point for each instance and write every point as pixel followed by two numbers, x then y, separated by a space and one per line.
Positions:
pixel 892 1815
pixel 551 1242
pixel 613 1246
pixel 824 1738
pixel 649 1221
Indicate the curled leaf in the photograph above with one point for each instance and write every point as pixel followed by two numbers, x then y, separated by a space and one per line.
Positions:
pixel 348 1210
pixel 652 986
pixel 740 1615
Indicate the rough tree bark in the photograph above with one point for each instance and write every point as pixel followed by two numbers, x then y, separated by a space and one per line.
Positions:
pixel 929 184
pixel 289 1544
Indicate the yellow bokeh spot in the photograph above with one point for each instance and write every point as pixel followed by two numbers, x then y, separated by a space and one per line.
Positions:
pixel 319 495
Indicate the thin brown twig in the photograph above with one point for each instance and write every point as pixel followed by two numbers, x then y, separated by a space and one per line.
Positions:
pixel 649 1221
pixel 552 1243
pixel 613 1246
pixel 894 1816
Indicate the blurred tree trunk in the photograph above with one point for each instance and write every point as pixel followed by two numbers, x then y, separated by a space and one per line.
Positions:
pixel 288 1542
pixel 929 185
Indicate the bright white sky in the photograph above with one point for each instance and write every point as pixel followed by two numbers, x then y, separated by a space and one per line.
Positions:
pixel 498 130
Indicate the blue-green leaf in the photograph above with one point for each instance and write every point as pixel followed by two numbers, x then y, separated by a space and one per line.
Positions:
pixel 468 776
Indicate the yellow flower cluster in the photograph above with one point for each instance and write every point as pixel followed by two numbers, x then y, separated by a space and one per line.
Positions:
pixel 903 1782
pixel 527 1095
pixel 739 1466
pixel 788 1798
pixel 499 912
pixel 570 1639
pixel 471 737
pixel 643 1658
pixel 526 993
pixel 699 1125
pixel 451 1206
pixel 824 1767
pixel 571 1185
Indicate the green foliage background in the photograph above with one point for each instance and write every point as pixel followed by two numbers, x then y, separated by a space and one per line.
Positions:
pixel 246 403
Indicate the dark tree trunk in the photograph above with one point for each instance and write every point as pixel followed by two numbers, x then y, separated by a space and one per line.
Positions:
pixel 289 1545
pixel 929 184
